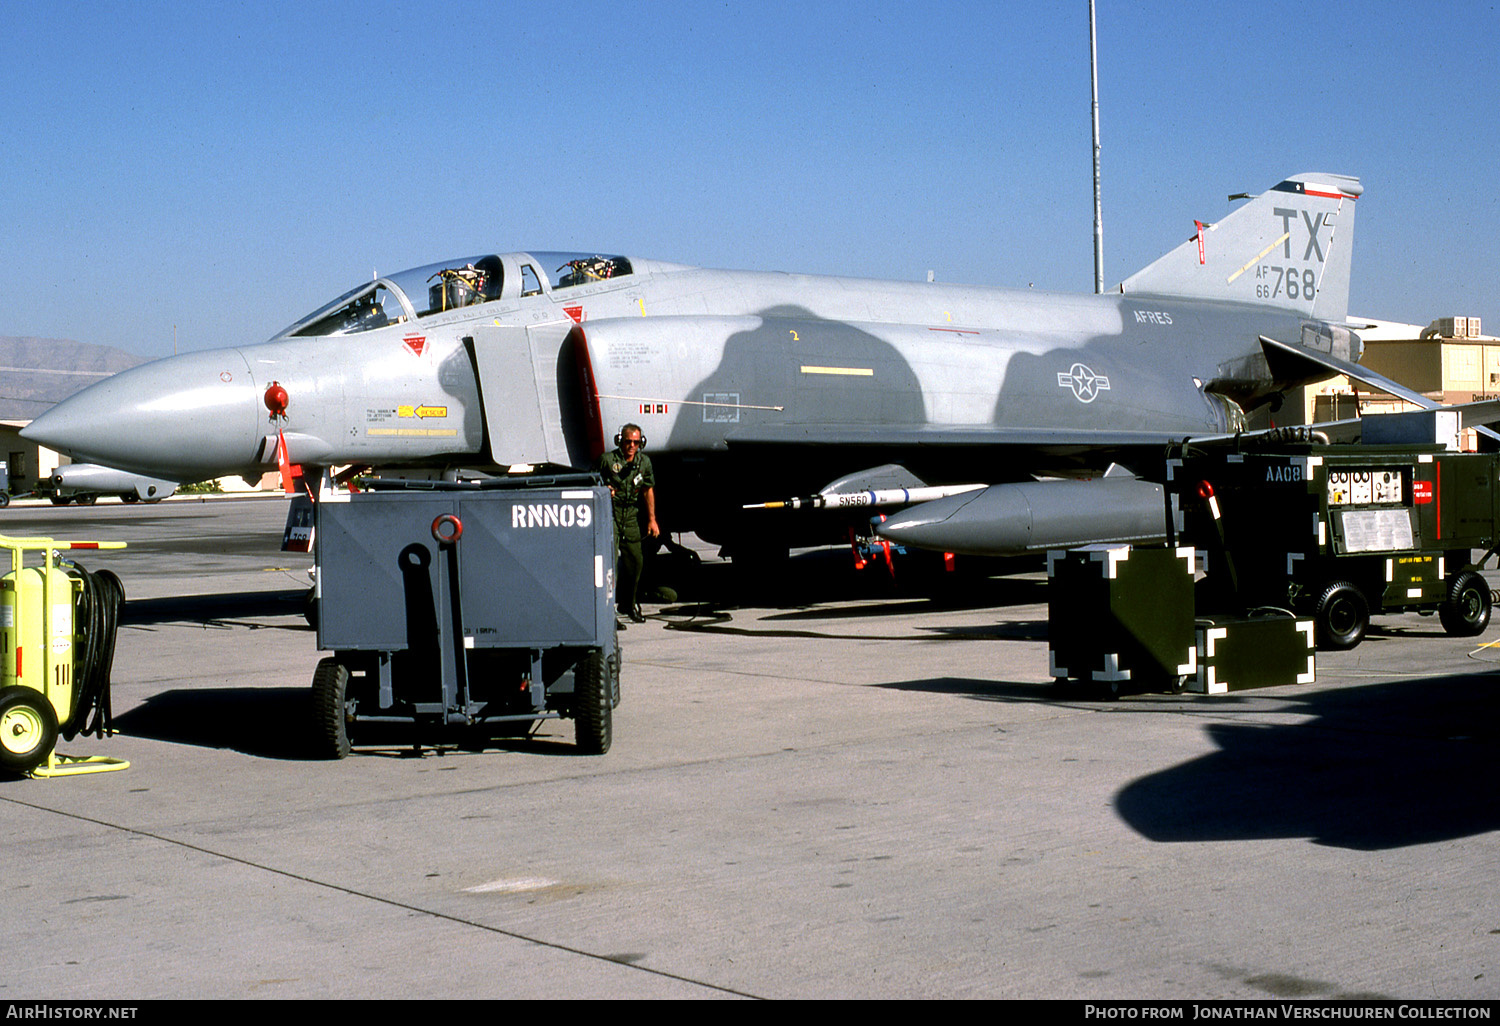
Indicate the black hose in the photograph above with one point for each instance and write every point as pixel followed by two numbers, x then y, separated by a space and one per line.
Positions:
pixel 100 605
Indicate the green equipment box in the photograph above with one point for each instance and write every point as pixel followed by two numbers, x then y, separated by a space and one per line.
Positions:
pixel 1117 614
pixel 1237 653
pixel 1340 532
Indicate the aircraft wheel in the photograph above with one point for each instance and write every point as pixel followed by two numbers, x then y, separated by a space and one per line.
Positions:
pixel 28 728
pixel 330 687
pixel 1466 611
pixel 1342 616
pixel 591 704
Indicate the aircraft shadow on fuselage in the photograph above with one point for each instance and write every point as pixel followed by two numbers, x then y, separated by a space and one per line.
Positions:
pixel 1106 387
pixel 1380 766
pixel 767 366
pixel 755 370
pixel 455 376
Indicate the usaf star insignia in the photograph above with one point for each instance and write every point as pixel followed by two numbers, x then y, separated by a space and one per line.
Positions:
pixel 1085 384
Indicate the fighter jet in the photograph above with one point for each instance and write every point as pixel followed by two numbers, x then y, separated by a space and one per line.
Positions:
pixel 754 385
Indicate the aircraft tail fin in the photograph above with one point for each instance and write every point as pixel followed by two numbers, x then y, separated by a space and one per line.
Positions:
pixel 1288 248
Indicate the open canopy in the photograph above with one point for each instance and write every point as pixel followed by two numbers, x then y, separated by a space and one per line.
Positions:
pixel 454 284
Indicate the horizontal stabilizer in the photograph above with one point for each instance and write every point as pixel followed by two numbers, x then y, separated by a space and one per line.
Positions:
pixel 1472 415
pixel 1289 361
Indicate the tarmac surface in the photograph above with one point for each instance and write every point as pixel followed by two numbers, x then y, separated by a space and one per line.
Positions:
pixel 849 790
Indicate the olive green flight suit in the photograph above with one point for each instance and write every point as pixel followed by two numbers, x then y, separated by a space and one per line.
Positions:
pixel 629 479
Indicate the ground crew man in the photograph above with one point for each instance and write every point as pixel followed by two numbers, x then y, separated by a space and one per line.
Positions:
pixel 627 471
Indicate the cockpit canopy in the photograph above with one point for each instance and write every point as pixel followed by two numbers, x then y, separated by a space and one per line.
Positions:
pixel 454 284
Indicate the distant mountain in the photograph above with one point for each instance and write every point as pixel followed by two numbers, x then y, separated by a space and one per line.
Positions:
pixel 38 373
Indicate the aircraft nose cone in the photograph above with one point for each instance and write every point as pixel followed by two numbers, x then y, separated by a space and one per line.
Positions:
pixel 185 418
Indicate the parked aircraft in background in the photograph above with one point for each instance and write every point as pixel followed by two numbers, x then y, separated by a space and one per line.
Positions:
pixel 84 483
pixel 755 385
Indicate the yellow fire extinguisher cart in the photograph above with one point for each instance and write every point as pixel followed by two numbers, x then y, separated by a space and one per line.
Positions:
pixel 40 637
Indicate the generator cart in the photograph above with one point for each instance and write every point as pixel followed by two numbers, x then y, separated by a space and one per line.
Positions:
pixel 1340 532
pixel 465 610
pixel 57 642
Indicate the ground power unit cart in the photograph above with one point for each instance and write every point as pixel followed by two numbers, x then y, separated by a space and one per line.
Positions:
pixel 459 611
pixel 1340 532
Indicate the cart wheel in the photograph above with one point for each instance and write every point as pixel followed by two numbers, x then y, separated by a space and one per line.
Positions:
pixel 4 500
pixel 1342 616
pixel 61 500
pixel 28 728
pixel 1466 612
pixel 591 704
pixel 85 500
pixel 330 686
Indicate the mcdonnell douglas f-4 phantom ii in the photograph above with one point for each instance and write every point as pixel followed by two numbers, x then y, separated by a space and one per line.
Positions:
pixel 755 385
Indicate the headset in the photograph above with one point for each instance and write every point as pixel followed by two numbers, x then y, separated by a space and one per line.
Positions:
pixel 620 435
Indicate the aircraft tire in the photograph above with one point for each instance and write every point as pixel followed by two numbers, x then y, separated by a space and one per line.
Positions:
pixel 28 728
pixel 330 687
pixel 1466 611
pixel 592 708
pixel 1341 617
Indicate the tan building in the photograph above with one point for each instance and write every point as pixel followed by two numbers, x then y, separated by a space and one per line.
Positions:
pixel 27 462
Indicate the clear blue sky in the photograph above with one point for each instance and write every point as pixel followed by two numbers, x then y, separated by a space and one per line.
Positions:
pixel 225 167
